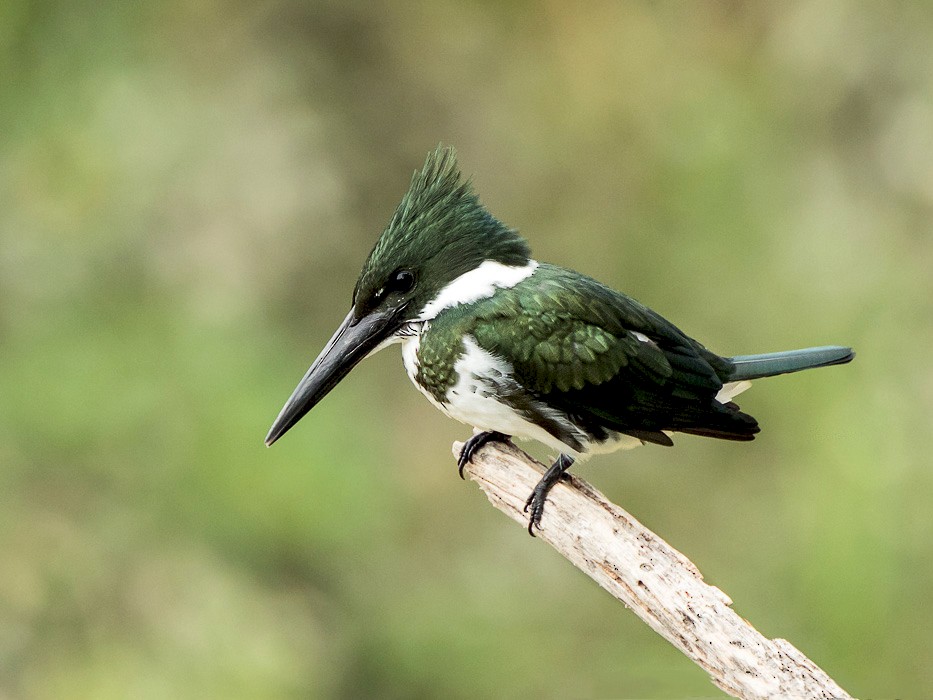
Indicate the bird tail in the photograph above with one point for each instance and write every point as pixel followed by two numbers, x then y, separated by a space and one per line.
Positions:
pixel 773 363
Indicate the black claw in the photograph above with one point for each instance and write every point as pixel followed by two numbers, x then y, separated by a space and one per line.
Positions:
pixel 537 510
pixel 474 443
pixel 534 506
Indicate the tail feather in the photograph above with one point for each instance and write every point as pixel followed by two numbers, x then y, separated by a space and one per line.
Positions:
pixel 773 363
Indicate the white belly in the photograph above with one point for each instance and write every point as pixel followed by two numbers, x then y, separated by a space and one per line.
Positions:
pixel 472 401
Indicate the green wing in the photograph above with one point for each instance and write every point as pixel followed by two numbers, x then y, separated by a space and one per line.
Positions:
pixel 562 331
pixel 605 358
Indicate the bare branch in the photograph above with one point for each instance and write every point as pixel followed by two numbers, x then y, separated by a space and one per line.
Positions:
pixel 660 584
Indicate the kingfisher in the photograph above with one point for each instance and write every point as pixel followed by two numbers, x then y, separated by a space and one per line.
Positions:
pixel 521 348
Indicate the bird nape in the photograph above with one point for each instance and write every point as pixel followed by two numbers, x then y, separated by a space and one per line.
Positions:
pixel 519 348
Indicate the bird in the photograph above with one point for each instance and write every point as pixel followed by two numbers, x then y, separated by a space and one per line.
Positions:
pixel 520 348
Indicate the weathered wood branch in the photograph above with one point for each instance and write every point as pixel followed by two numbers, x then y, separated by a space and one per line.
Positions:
pixel 659 583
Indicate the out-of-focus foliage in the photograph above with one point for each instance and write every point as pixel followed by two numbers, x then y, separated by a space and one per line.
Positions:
pixel 187 192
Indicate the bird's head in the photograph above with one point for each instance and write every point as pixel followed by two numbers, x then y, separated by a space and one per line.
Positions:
pixel 439 232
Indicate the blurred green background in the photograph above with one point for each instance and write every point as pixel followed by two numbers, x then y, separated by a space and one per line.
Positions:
pixel 187 192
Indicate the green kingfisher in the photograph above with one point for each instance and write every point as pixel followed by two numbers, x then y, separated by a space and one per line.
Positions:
pixel 516 347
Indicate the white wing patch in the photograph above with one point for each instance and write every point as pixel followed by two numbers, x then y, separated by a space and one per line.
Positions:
pixel 732 389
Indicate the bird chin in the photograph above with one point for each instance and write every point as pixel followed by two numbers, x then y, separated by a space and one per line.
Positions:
pixel 408 330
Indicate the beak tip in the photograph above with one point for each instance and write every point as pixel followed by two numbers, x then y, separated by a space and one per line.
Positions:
pixel 271 437
pixel 353 340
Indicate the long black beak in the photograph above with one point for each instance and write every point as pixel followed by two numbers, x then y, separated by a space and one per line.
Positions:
pixel 353 341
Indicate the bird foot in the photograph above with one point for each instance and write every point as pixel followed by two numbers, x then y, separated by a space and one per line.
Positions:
pixel 474 443
pixel 534 506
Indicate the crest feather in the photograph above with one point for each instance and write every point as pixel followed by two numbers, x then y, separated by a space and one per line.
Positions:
pixel 440 229
pixel 438 181
pixel 436 193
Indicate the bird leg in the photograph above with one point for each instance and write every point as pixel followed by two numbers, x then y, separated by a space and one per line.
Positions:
pixel 474 443
pixel 534 506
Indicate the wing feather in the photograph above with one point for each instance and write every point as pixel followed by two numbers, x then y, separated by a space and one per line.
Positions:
pixel 604 358
pixel 562 331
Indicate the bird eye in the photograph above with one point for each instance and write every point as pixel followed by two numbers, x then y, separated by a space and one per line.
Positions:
pixel 402 281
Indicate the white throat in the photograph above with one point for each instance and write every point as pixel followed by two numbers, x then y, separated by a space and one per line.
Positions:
pixel 479 283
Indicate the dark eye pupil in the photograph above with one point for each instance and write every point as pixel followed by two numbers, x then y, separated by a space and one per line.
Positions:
pixel 403 281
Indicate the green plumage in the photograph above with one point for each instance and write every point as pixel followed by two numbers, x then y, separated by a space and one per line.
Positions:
pixel 572 344
pixel 517 348
pixel 584 351
pixel 439 231
pixel 563 331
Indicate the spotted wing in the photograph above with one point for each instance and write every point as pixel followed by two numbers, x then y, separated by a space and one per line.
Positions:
pixel 605 359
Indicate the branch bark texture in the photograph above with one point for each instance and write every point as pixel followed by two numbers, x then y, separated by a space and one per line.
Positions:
pixel 662 586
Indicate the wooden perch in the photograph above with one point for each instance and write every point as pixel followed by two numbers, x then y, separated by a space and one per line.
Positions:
pixel 659 583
